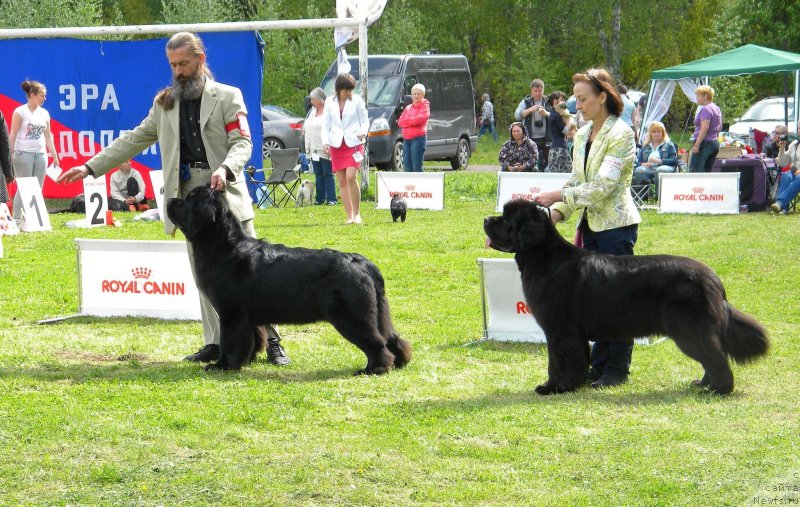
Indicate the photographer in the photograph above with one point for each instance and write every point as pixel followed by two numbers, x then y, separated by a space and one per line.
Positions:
pixel 789 185
pixel 771 147
pixel 533 113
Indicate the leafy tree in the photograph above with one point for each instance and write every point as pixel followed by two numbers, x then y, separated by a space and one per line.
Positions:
pixel 50 13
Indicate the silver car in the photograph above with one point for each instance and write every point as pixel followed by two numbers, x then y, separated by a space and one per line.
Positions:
pixel 282 129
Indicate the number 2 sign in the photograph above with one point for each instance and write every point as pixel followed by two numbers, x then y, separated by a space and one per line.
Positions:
pixel 34 211
pixel 94 189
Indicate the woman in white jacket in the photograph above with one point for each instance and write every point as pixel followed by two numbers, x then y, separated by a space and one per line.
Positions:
pixel 344 130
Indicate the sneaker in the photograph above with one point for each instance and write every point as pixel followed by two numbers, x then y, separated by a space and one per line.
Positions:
pixel 276 355
pixel 775 207
pixel 206 354
pixel 332 203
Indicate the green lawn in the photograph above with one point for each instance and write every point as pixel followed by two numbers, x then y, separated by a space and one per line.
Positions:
pixel 103 411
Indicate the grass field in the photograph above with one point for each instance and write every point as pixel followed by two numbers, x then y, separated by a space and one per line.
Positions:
pixel 100 411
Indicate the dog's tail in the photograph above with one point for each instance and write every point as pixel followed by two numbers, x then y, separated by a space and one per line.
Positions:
pixel 745 339
pixel 396 345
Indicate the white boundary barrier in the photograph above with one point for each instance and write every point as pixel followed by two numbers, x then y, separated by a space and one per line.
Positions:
pixel 419 190
pixel 136 278
pixel 526 185
pixel 699 193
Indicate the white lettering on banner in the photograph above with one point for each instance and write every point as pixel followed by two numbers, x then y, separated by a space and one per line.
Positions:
pixel 89 92
pixel 110 97
pixel 65 144
pixel 526 186
pixel 65 147
pixel 68 91
pixel 106 136
pixel 86 137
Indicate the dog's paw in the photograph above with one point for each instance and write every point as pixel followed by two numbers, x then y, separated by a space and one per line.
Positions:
pixel 546 389
pixel 220 366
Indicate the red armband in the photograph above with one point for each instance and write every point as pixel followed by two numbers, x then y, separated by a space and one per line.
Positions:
pixel 239 123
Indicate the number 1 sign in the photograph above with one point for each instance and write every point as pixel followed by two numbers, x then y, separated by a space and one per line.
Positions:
pixel 34 212
pixel 96 200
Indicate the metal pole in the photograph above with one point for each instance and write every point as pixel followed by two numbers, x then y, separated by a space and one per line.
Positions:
pixel 242 26
pixel 362 70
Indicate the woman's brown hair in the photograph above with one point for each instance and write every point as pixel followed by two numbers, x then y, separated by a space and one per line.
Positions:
pixel 601 81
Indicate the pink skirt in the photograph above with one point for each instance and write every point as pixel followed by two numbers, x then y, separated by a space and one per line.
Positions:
pixel 342 157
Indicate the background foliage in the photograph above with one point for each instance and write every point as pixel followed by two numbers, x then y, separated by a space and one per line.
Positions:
pixel 507 42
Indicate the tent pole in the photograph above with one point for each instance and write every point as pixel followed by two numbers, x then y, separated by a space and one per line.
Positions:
pixel 796 101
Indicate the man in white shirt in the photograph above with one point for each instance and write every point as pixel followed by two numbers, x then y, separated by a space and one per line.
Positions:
pixel 127 189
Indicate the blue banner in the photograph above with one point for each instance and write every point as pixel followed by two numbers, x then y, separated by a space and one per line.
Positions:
pixel 97 89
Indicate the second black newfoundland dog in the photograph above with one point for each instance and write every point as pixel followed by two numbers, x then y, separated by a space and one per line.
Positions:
pixel 577 296
pixel 252 282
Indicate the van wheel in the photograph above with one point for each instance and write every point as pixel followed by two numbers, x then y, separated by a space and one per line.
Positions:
pixel 461 160
pixel 396 164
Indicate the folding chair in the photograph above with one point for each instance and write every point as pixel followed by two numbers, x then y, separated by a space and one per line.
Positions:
pixel 260 185
pixel 280 189
pixel 642 192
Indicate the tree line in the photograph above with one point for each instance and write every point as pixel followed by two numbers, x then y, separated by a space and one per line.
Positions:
pixel 507 42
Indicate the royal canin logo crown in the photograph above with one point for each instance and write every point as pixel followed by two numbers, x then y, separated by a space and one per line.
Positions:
pixel 697 190
pixel 141 273
pixel 410 187
pixel 535 190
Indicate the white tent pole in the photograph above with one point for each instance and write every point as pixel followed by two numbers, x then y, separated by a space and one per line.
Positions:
pixel 796 102
pixel 242 26
pixel 362 72
pixel 642 126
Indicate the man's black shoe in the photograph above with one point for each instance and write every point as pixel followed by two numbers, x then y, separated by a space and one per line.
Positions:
pixel 206 354
pixel 607 380
pixel 275 354
pixel 593 375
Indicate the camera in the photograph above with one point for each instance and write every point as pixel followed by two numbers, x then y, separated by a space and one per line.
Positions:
pixel 538 123
pixel 784 138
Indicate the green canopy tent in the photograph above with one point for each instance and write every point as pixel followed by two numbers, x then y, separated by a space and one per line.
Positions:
pixel 748 59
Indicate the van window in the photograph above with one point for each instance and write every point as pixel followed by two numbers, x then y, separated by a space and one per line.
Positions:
pixel 457 89
pixel 433 89
pixel 408 83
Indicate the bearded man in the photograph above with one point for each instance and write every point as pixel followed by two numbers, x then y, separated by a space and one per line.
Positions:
pixel 201 127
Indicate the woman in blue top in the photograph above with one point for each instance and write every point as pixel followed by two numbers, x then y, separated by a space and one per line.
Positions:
pixel 657 155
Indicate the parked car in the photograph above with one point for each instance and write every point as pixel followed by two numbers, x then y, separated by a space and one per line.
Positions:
pixel 282 129
pixel 448 83
pixel 764 115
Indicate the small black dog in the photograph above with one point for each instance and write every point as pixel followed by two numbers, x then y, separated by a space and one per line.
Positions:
pixel 398 207
pixel 252 282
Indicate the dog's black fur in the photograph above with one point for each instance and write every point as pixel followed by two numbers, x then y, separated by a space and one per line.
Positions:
pixel 398 206
pixel 252 282
pixel 577 296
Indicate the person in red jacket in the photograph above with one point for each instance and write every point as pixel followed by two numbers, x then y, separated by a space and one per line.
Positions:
pixel 414 124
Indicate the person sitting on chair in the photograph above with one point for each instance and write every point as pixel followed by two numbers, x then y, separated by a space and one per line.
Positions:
pixel 657 155
pixel 771 147
pixel 127 190
pixel 789 183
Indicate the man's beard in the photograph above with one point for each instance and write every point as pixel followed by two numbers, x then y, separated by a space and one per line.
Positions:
pixel 188 88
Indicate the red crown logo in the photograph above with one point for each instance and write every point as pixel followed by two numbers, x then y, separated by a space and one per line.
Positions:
pixel 697 190
pixel 410 187
pixel 141 273
pixel 535 190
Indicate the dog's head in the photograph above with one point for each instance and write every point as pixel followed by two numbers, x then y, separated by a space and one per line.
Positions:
pixel 522 227
pixel 397 201
pixel 199 212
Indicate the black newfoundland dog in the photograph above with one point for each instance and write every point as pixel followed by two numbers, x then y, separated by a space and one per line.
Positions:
pixel 577 296
pixel 251 283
